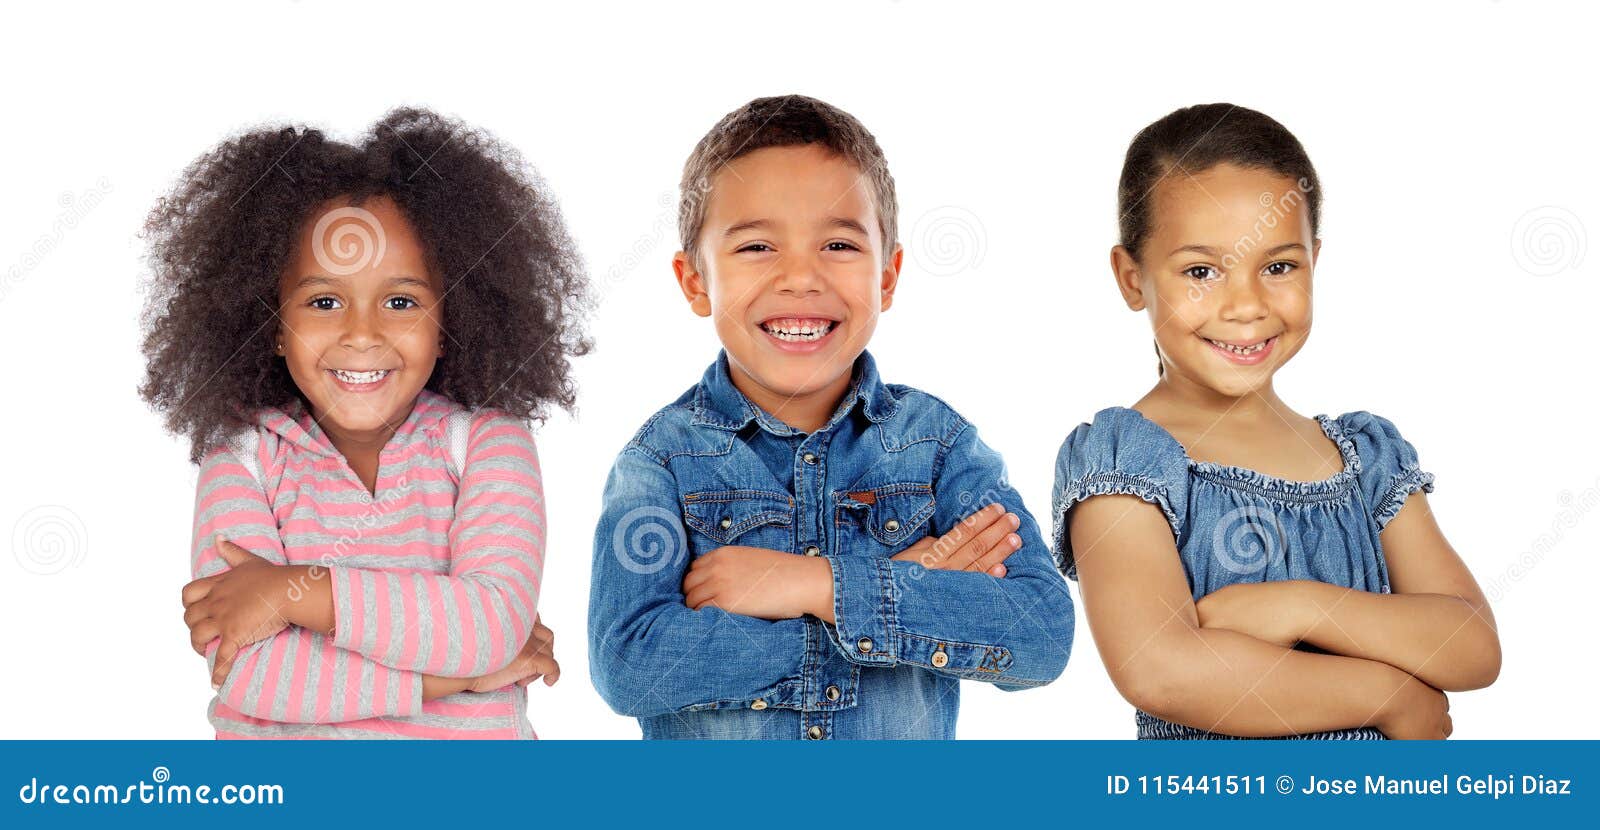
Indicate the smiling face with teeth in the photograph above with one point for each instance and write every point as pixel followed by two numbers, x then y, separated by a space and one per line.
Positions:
pixel 1225 275
pixel 359 313
pixel 793 272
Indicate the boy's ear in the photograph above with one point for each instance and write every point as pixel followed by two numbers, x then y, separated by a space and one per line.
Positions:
pixel 692 283
pixel 1126 270
pixel 891 276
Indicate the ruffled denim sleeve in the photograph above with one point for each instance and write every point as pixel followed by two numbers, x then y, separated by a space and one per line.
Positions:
pixel 1389 470
pixel 1120 453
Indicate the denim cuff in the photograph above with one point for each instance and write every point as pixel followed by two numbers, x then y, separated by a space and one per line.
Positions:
pixel 864 625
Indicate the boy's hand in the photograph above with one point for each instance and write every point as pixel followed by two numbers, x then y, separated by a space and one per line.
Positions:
pixel 537 659
pixel 762 583
pixel 980 542
pixel 238 606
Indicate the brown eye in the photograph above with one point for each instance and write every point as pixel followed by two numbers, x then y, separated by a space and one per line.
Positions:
pixel 1200 272
pixel 1280 269
pixel 324 303
pixel 401 303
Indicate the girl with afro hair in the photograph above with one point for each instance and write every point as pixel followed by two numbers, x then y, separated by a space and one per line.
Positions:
pixel 353 337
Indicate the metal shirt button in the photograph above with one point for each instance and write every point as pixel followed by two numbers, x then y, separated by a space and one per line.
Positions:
pixel 758 705
pixel 812 550
pixel 940 659
pixel 814 733
pixel 892 525
pixel 864 645
pixel 809 458
pixel 832 692
pixel 725 523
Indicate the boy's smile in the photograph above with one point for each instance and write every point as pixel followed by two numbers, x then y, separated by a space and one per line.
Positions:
pixel 792 269
pixel 360 321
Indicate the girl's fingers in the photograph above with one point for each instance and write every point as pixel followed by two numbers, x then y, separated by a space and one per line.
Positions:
pixel 550 677
pixel 231 553
pixel 195 613
pixel 998 571
pixel 225 654
pixel 202 634
pixel 197 590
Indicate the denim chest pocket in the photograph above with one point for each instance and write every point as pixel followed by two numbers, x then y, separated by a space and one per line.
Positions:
pixel 752 518
pixel 882 521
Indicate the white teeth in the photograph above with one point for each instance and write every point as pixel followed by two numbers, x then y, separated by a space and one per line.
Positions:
pixel 361 377
pixel 1240 349
pixel 798 332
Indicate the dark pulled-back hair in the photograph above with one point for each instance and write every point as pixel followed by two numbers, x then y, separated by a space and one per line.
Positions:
pixel 784 121
pixel 1197 138
pixel 515 286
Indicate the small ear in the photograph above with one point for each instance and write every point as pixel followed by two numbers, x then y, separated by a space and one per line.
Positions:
pixel 891 276
pixel 1130 282
pixel 1316 251
pixel 692 283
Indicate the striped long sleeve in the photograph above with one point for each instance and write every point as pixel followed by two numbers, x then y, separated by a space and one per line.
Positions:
pixel 296 676
pixel 474 619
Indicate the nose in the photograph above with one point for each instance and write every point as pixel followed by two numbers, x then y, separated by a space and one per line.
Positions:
pixel 1243 300
pixel 361 330
pixel 798 275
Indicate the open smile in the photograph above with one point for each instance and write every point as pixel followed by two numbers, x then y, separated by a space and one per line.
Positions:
pixel 1243 352
pixel 798 334
pixel 360 381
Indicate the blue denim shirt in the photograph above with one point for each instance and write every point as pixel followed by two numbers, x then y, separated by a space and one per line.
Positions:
pixel 891 466
pixel 1235 525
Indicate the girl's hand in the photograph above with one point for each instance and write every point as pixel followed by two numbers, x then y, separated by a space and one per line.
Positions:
pixel 1416 712
pixel 761 583
pixel 537 659
pixel 980 542
pixel 239 606
pixel 1277 612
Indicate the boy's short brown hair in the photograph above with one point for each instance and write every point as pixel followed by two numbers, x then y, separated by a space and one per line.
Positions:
pixel 783 121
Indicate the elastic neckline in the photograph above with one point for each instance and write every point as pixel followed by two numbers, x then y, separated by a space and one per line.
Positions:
pixel 1269 486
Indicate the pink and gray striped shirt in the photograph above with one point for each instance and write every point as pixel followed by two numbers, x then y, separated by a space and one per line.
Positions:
pixel 437 573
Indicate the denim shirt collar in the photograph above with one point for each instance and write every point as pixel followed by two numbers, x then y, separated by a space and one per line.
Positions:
pixel 720 405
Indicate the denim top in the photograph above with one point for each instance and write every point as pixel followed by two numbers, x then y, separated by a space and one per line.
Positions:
pixel 891 466
pixel 1236 525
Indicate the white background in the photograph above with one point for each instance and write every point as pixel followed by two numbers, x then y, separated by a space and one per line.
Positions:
pixel 1455 294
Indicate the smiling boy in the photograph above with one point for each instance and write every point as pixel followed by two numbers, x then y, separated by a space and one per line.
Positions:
pixel 794 548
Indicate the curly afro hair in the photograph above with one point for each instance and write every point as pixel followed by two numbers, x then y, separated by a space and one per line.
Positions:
pixel 219 242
